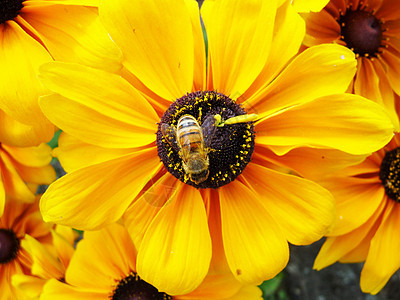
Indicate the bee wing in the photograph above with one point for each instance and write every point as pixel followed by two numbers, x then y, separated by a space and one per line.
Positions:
pixel 169 133
pixel 209 128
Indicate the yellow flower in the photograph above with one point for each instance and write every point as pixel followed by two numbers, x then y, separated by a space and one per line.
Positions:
pixel 48 261
pixel 368 217
pixel 243 207
pixel 33 32
pixel 22 170
pixel 370 29
pixel 19 222
pixel 104 267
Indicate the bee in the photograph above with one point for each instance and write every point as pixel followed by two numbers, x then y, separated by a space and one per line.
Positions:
pixel 192 142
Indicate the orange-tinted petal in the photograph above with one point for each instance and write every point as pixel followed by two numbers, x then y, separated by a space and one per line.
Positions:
pixel 383 259
pixel 94 196
pixel 357 199
pixel 156 39
pixel 371 82
pixel 337 247
pixel 255 246
pixel 179 238
pixel 239 36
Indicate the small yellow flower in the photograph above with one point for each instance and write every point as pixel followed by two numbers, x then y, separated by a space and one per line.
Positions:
pixel 33 32
pixel 104 267
pixel 244 211
pixel 19 222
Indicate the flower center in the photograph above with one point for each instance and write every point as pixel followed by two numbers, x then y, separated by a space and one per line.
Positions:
pixel 9 9
pixel 362 32
pixel 199 146
pixel 390 174
pixel 9 246
pixel 134 288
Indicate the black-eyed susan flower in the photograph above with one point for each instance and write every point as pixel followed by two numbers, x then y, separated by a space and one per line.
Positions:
pixel 371 30
pixel 33 32
pixel 239 206
pixel 368 217
pixel 19 221
pixel 104 267
pixel 48 261
pixel 22 170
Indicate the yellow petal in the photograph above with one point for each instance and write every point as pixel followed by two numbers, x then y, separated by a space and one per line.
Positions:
pixel 156 40
pixel 30 156
pixel 74 154
pixel 30 285
pixel 179 238
pixel 19 87
pixel 239 36
pixel 14 185
pixel 382 260
pixel 304 160
pixel 352 194
pixel 18 134
pixel 337 247
pixel 249 292
pixel 199 73
pixel 316 72
pixel 45 265
pixel 309 5
pixel 255 247
pixel 55 289
pixel 303 209
pixel 64 247
pixel 94 196
pixel 74 34
pixel 346 122
pixel 288 35
pixel 102 108
pixel 219 286
pixel 117 257
pixel 141 213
